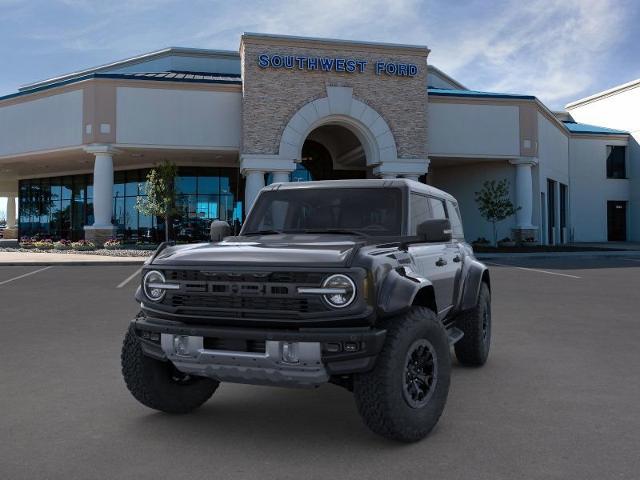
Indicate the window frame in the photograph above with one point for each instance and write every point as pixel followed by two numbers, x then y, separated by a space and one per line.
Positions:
pixel 625 172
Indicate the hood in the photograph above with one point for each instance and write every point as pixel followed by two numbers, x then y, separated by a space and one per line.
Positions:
pixel 265 251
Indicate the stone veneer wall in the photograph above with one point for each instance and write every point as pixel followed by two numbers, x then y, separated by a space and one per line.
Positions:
pixel 271 96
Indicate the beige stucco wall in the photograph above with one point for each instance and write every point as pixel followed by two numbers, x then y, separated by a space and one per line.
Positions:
pixel 272 96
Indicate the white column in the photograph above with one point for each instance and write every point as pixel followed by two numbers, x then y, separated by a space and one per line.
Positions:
pixel 254 183
pixel 411 177
pixel 11 211
pixel 280 177
pixel 103 190
pixel 524 191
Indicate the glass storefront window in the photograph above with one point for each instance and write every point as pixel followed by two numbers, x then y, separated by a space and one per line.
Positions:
pixel 59 207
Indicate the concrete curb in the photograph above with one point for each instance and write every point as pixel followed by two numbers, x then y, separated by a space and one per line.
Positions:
pixel 594 254
pixel 106 263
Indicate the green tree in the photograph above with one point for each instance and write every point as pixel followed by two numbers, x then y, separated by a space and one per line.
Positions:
pixel 160 199
pixel 494 203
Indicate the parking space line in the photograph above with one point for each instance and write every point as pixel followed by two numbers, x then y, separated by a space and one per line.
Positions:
pixel 25 275
pixel 633 259
pixel 534 270
pixel 129 278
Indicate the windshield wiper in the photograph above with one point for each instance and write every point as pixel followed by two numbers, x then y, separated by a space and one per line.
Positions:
pixel 262 232
pixel 335 230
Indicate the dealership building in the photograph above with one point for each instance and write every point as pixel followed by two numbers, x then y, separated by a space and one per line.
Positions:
pixel 75 149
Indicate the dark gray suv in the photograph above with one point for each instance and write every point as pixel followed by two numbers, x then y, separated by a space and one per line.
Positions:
pixel 362 283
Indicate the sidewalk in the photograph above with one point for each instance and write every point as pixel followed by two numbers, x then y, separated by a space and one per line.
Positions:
pixel 31 258
pixel 593 253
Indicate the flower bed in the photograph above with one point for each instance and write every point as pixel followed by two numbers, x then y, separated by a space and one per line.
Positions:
pixel 83 245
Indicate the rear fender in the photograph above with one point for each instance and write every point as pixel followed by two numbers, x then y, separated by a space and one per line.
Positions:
pixel 403 288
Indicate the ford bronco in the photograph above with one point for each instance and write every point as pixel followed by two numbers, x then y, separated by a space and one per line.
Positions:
pixel 361 283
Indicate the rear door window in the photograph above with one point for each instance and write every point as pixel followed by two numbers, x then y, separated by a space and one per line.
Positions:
pixel 437 208
pixel 454 218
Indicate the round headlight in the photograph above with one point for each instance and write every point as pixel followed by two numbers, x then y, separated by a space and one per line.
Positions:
pixel 344 291
pixel 155 294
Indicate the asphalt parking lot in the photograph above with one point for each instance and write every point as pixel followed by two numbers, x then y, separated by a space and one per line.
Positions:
pixel 558 399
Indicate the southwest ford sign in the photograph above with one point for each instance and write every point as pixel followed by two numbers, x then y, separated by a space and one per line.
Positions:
pixel 331 64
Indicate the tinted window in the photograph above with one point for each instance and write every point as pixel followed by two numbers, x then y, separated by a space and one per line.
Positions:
pixel 454 218
pixel 437 208
pixel 418 211
pixel 616 162
pixel 372 211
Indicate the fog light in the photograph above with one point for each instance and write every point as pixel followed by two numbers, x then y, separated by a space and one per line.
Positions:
pixel 351 347
pixel 181 345
pixel 290 352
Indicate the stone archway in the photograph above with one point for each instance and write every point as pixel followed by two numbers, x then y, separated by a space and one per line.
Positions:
pixel 340 108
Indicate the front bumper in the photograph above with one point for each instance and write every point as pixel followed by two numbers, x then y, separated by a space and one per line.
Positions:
pixel 322 352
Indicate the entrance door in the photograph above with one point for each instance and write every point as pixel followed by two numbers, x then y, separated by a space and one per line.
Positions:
pixel 617 221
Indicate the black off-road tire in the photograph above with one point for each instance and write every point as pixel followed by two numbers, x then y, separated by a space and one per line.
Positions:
pixel 380 394
pixel 473 348
pixel 157 384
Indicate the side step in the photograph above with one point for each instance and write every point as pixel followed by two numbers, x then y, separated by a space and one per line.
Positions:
pixel 455 334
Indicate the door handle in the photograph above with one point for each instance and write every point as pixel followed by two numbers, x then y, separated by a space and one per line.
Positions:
pixel 441 262
pixel 456 258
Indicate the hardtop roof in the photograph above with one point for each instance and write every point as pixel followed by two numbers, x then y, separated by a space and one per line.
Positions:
pixel 364 183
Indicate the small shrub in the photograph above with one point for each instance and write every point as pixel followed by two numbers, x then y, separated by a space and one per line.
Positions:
pixel 26 242
pixel 62 245
pixel 113 244
pixel 481 241
pixel 83 245
pixel 43 244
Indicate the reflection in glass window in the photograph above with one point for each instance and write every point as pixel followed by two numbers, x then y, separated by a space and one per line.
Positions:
pixel 59 207
pixel 456 222
pixel 437 208
pixel 419 211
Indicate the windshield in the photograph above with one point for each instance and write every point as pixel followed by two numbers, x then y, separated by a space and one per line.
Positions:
pixel 365 211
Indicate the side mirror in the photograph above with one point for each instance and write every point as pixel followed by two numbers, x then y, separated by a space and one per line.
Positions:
pixel 435 230
pixel 218 230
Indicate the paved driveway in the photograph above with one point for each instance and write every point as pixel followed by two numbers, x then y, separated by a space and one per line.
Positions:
pixel 559 397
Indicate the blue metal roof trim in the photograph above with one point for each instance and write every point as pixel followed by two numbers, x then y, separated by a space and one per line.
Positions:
pixel 444 92
pixel 228 79
pixel 575 127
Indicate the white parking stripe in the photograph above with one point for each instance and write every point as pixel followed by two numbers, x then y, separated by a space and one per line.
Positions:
pixel 129 278
pixel 25 275
pixel 633 259
pixel 534 270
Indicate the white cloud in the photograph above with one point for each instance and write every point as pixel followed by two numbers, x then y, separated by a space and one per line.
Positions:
pixel 554 49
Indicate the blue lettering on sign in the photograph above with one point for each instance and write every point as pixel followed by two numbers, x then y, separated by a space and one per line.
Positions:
pixel 329 64
pixel 263 61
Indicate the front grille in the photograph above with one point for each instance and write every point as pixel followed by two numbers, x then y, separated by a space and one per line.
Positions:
pixel 241 303
pixel 259 295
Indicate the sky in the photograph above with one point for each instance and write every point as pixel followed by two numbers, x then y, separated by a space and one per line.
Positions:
pixel 557 50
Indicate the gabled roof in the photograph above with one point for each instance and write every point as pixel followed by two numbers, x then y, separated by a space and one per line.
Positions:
pixel 172 76
pixel 435 70
pixel 475 93
pixel 604 93
pixel 575 127
pixel 145 57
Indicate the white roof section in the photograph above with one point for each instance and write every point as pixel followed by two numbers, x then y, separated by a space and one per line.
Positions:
pixel 153 61
pixel 605 93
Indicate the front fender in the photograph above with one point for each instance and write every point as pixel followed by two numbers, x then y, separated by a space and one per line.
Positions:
pixel 476 273
pixel 399 290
